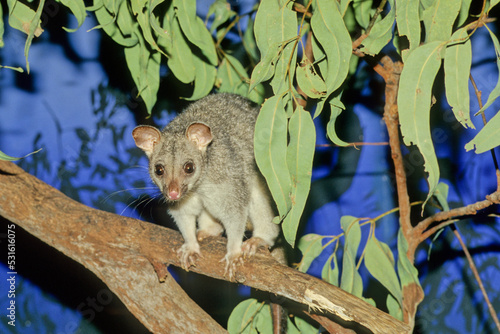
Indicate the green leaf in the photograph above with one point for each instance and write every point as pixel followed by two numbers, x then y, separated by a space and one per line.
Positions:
pixel 249 42
pixel 414 102
pixel 457 64
pixel 181 61
pixel 407 272
pixel 493 3
pixel 464 12
pixel 311 246
pixel 24 19
pixel 77 7
pixel 6 157
pixel 495 93
pixel 441 195
pixel 221 10
pixel 394 308
pixel 107 22
pixel 300 154
pixel 144 65
pixel 21 17
pixel 381 33
pixel 351 279
pixel 309 81
pixel 408 21
pixel 270 145
pixel 250 316
pixel 488 138
pixel 380 263
pixel 285 67
pixel 336 107
pixel 362 12
pixel 194 29
pixel 275 27
pixel 330 35
pixel 143 12
pixel 303 326
pixel 204 79
pixel 232 76
pixel 329 274
pixel 264 70
pixel 438 19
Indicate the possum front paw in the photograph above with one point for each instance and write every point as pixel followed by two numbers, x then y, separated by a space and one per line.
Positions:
pixel 251 246
pixel 188 255
pixel 232 260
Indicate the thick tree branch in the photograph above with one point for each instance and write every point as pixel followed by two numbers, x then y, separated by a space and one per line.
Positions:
pixel 125 253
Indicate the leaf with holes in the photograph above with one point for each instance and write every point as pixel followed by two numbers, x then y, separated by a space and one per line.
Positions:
pixel 414 104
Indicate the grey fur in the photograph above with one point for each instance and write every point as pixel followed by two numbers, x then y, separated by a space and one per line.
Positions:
pixel 224 188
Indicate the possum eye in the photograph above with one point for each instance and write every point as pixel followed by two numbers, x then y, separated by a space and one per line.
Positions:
pixel 159 170
pixel 188 167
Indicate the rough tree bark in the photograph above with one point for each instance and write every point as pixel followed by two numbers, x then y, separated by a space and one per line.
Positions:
pixel 132 256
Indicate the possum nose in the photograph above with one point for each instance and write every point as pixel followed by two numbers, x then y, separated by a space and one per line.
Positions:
pixel 174 191
pixel 173 195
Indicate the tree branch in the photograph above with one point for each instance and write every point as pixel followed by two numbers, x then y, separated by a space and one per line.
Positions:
pixel 130 256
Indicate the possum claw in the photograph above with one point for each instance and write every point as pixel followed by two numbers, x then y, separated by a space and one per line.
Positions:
pixel 188 255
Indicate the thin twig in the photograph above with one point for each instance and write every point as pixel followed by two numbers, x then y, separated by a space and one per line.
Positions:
pixel 476 275
pixel 446 217
pixel 361 38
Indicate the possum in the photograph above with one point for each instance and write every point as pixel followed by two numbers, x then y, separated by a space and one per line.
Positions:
pixel 203 163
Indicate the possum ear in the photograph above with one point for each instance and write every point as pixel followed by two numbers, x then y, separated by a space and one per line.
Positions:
pixel 146 137
pixel 200 134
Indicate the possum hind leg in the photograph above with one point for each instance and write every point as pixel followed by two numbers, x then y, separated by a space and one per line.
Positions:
pixel 208 226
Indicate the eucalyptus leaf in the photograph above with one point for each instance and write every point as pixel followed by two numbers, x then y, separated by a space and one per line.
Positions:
pixel 439 18
pixel 329 274
pixel 488 138
pixel 414 103
pixel 407 272
pixel 144 66
pixel 250 316
pixel 332 36
pixel 221 11
pixel 6 157
pixel 381 33
pixel 363 11
pixel 270 144
pixel 351 279
pixel 495 93
pixel 300 154
pixel 457 65
pixel 181 61
pixel 194 28
pixel 285 66
pixel 336 107
pixel 309 81
pixel 380 263
pixel 204 79
pixel 408 22
pixel 77 7
pixel 311 246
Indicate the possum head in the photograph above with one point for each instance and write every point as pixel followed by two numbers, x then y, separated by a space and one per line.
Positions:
pixel 176 161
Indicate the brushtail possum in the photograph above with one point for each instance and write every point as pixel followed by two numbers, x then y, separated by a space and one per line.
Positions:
pixel 203 163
